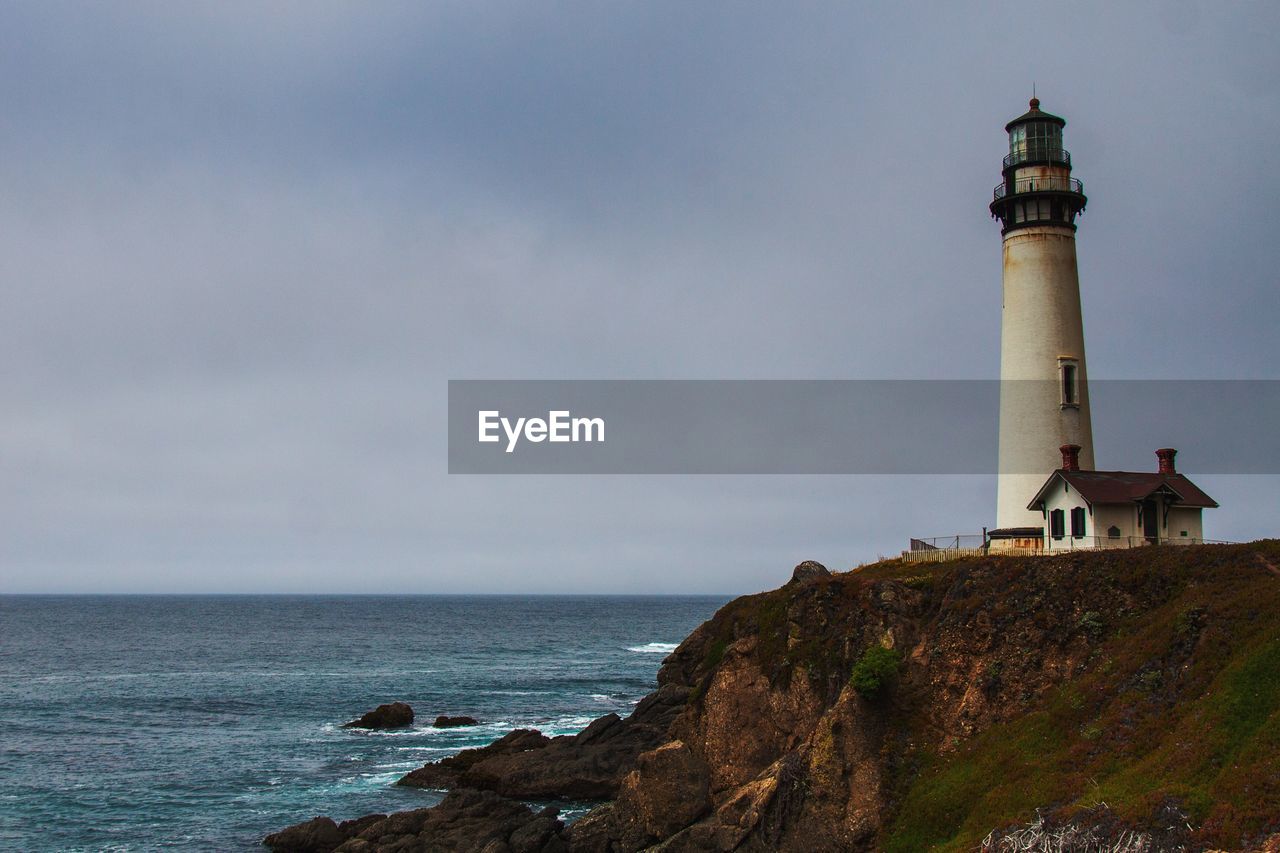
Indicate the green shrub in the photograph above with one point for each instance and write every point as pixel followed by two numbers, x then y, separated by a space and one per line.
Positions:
pixel 1189 621
pixel 874 670
pixel 1091 624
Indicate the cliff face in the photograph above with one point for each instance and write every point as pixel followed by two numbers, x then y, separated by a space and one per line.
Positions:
pixel 1019 695
pixel 1148 680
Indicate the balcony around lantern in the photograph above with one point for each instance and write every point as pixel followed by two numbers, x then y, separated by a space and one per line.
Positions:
pixel 1038 154
pixel 1052 154
pixel 1050 183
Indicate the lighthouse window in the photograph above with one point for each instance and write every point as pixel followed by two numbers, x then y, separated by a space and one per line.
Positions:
pixel 1018 140
pixel 1037 140
pixel 1019 214
pixel 1070 382
pixel 1044 140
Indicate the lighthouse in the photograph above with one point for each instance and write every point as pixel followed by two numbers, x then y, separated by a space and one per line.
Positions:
pixel 1044 394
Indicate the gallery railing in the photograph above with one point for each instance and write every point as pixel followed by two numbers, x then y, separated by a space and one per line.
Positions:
pixel 1038 154
pixel 1044 183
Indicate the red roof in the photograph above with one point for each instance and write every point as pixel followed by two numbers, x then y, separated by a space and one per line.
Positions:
pixel 1114 487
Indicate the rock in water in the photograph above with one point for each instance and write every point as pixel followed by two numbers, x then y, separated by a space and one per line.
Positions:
pixel 396 715
pixel 318 835
pixel 809 570
pixel 443 722
pixel 465 820
pixel 447 772
pixel 526 764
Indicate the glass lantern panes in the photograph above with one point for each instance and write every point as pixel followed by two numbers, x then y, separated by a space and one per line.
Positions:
pixel 1044 140
pixel 1036 140
pixel 1018 142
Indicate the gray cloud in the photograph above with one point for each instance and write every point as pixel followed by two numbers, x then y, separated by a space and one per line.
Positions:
pixel 243 249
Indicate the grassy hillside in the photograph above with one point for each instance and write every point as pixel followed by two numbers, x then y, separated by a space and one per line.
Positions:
pixel 1178 705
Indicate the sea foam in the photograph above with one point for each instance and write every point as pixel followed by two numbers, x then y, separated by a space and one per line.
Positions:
pixel 653 648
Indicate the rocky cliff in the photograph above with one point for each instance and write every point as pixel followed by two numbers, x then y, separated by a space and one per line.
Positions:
pixel 1131 697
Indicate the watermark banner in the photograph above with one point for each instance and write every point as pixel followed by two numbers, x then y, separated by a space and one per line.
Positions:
pixel 849 426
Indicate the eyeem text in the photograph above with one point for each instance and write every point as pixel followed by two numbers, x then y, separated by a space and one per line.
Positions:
pixel 557 426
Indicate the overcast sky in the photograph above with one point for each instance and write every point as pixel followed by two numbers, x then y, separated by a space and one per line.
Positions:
pixel 243 246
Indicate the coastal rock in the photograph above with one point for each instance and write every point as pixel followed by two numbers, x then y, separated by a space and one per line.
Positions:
pixel 809 570
pixel 318 835
pixel 1085 665
pixel 799 761
pixel 587 766
pixel 467 820
pixel 668 790
pixel 395 715
pixel 448 772
pixel 443 722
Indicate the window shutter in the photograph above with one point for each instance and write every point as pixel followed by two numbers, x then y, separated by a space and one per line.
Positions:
pixel 1077 521
pixel 1056 525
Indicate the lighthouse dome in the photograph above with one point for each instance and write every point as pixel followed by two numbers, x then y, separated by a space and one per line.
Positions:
pixel 1036 114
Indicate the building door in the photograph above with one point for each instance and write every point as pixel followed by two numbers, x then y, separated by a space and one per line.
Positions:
pixel 1150 521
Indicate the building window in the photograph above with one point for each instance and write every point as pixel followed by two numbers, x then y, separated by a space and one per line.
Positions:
pixel 1113 532
pixel 1069 376
pixel 1056 523
pixel 1077 522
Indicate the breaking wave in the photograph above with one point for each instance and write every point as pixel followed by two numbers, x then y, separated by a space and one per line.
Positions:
pixel 654 648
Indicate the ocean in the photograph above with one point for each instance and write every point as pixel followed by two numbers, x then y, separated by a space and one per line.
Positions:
pixel 206 722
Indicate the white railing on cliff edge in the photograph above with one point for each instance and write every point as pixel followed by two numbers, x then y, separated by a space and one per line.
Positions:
pixel 941 548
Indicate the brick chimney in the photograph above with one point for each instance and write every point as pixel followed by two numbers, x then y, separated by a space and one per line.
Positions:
pixel 1166 455
pixel 1071 457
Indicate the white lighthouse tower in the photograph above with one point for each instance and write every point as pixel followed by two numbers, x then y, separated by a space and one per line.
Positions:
pixel 1044 396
